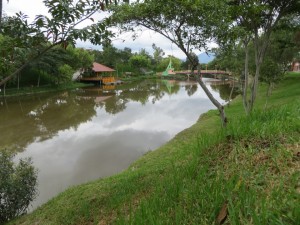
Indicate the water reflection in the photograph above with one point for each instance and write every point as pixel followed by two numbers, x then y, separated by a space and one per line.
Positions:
pixel 77 136
pixel 37 118
pixel 225 87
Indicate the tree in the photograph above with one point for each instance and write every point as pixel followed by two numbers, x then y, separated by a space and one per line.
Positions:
pixel 60 29
pixel 139 61
pixel 158 54
pixel 79 58
pixel 17 186
pixel 109 55
pixel 283 45
pixel 192 62
pixel 257 20
pixel 65 73
pixel 170 19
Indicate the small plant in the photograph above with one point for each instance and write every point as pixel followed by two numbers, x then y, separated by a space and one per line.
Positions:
pixel 17 186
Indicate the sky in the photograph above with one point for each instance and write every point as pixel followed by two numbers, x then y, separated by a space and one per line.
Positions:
pixel 145 40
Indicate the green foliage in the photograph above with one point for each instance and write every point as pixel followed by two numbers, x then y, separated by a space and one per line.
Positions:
pixel 157 54
pixel 139 61
pixel 169 18
pixel 58 29
pixel 176 63
pixel 17 186
pixel 80 58
pixel 192 61
pixel 271 72
pixel 113 57
pixel 283 47
pixel 232 60
pixel 65 73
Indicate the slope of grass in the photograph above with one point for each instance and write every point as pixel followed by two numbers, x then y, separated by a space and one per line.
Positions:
pixel 246 174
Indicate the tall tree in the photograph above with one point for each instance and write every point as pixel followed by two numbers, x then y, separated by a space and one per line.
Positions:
pixel 158 54
pixel 258 18
pixel 188 31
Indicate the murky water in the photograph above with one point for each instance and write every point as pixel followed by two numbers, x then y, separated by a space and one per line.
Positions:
pixel 81 135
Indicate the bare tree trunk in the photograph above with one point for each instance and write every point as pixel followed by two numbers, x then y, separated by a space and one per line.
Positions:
pixel 212 99
pixel 246 77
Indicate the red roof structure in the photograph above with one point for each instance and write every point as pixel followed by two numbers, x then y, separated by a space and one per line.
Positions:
pixel 97 67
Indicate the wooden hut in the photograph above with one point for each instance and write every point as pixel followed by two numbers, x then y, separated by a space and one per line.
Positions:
pixel 106 73
pixel 102 75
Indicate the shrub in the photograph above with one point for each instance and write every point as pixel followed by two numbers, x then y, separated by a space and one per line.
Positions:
pixel 17 186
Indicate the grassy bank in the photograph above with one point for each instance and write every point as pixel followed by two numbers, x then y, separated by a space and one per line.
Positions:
pixel 42 89
pixel 246 174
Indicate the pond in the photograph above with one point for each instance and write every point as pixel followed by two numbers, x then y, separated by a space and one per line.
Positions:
pixel 77 136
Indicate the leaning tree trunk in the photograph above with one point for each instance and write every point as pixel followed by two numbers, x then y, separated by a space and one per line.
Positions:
pixel 212 99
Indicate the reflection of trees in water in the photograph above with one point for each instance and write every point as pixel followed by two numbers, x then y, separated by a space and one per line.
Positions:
pixel 148 90
pixel 224 90
pixel 72 112
pixel 40 118
pixel 191 89
pixel 115 105
pixel 170 86
pixel 43 116
pixel 141 92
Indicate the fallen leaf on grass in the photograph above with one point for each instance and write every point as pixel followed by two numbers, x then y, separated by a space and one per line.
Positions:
pixel 222 214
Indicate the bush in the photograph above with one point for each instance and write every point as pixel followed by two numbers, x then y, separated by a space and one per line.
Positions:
pixel 17 186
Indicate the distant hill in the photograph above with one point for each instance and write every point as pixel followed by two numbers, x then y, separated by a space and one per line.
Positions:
pixel 204 58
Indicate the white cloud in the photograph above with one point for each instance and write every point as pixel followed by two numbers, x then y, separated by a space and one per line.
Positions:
pixel 144 40
pixel 30 8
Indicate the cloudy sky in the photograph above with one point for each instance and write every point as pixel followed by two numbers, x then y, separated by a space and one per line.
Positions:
pixel 145 40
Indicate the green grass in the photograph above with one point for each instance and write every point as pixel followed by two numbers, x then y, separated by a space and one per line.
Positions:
pixel 252 169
